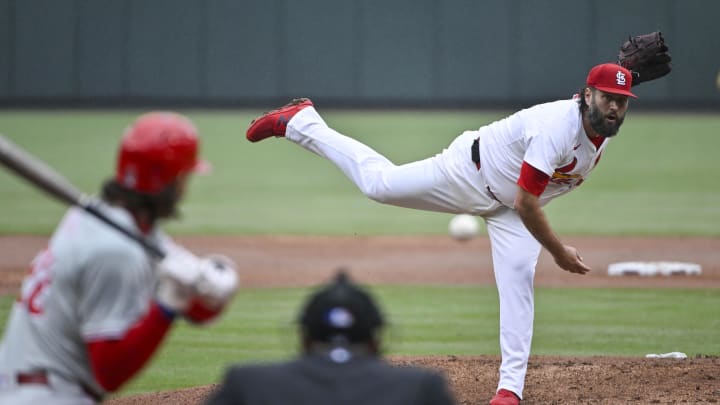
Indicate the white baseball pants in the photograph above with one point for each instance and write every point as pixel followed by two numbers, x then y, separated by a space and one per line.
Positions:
pixel 447 182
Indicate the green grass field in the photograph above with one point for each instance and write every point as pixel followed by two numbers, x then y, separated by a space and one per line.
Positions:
pixel 657 178
pixel 260 326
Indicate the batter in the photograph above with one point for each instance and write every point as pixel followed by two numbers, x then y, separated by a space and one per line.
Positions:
pixel 95 305
pixel 505 172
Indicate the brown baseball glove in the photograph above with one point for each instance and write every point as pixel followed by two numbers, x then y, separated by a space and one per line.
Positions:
pixel 646 56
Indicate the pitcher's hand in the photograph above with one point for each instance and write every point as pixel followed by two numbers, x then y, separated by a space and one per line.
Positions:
pixel 570 260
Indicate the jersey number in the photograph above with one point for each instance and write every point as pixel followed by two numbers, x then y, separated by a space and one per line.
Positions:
pixel 35 287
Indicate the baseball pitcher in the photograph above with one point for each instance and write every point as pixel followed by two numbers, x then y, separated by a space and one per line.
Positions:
pixel 504 172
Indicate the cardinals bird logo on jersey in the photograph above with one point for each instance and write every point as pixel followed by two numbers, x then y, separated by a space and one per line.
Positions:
pixel 562 175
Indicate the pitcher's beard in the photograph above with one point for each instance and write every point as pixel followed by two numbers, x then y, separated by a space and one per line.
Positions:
pixel 599 123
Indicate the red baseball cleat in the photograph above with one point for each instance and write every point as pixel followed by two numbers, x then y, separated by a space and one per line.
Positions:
pixel 274 123
pixel 505 397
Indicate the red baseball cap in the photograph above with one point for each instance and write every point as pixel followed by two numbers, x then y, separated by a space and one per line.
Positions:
pixel 155 150
pixel 611 78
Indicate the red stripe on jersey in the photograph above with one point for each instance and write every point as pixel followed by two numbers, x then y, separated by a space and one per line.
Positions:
pixel 532 180
pixel 115 361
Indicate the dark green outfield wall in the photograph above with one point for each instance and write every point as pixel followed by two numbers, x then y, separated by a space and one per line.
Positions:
pixel 348 52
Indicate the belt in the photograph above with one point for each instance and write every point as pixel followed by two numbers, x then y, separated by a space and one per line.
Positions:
pixel 475 152
pixel 41 378
pixel 475 156
pixel 34 378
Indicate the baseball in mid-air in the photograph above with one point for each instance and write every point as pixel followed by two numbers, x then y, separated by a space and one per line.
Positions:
pixel 463 227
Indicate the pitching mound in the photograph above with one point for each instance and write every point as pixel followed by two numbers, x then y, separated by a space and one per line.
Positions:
pixel 550 380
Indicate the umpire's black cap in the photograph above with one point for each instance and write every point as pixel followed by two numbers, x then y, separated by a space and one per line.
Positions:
pixel 341 309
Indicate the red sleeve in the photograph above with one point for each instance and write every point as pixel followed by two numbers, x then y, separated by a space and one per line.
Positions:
pixel 115 361
pixel 200 313
pixel 532 180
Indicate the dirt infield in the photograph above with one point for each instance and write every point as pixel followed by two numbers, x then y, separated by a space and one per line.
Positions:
pixel 301 261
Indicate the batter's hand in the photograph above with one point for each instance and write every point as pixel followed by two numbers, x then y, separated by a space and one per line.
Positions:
pixel 218 284
pixel 178 275
pixel 219 280
pixel 571 261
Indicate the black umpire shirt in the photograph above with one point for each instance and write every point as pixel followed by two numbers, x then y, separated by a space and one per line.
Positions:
pixel 335 377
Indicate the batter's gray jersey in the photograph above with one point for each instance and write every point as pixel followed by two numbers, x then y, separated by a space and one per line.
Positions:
pixel 91 283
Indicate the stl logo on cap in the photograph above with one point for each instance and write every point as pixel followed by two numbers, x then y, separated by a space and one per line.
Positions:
pixel 611 78
pixel 620 77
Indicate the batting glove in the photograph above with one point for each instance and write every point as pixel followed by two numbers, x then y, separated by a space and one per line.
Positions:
pixel 218 283
pixel 178 276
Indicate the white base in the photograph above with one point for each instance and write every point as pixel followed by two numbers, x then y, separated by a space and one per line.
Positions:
pixel 671 355
pixel 653 269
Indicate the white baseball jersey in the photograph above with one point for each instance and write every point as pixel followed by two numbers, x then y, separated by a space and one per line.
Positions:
pixel 91 283
pixel 550 137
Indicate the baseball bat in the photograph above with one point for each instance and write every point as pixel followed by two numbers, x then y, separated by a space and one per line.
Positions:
pixel 47 179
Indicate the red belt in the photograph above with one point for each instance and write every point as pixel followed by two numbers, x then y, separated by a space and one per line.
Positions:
pixel 34 378
pixel 41 378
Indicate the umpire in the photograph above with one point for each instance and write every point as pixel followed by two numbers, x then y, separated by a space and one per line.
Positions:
pixel 340 363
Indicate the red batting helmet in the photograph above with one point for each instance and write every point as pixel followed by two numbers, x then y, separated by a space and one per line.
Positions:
pixel 155 150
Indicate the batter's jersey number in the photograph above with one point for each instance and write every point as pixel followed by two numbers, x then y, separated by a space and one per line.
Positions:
pixel 35 287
